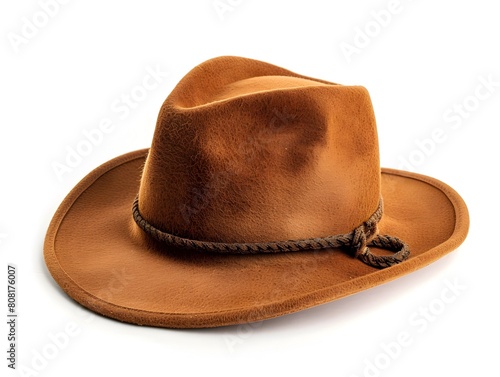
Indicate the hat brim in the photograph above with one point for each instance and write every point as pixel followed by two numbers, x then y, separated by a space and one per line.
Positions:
pixel 94 251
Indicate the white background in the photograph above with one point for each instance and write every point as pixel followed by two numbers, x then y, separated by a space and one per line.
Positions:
pixel 426 58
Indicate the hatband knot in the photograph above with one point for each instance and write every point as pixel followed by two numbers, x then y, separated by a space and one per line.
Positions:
pixel 357 242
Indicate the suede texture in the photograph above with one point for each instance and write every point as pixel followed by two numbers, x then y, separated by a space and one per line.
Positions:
pixel 241 145
pixel 244 151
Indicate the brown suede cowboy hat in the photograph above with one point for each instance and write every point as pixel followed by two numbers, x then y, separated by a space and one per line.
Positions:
pixel 261 195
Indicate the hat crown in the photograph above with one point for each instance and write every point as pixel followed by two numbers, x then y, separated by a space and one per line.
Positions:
pixel 245 151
